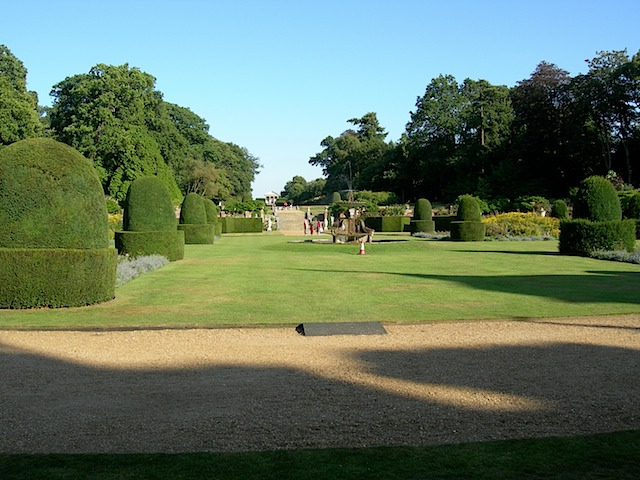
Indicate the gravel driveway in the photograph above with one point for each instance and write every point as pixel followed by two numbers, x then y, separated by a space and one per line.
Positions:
pixel 271 388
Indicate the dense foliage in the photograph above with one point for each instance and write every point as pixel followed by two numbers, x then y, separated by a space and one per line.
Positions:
pixel 149 223
pixel 54 246
pixel 193 220
pixel 468 227
pixel 582 237
pixel 596 200
pixel 468 209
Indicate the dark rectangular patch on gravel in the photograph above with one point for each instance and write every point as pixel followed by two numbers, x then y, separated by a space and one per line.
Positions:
pixel 342 328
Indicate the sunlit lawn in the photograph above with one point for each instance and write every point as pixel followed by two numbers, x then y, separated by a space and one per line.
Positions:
pixel 277 280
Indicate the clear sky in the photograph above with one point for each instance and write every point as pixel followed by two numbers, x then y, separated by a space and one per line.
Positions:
pixel 278 76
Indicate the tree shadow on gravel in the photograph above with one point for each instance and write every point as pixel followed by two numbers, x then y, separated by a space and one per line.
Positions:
pixel 387 397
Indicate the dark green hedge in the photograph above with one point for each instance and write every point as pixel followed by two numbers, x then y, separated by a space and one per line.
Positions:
pixel 422 210
pixel 241 225
pixel 467 231
pixel 560 210
pixel 387 223
pixel 443 222
pixel 597 200
pixel 58 277
pixel 50 197
pixel 200 234
pixel 212 211
pixel 148 207
pixel 137 244
pixel 468 209
pixel 193 211
pixel 581 237
pixel 423 226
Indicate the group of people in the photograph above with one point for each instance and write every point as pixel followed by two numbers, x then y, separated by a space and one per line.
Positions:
pixel 311 227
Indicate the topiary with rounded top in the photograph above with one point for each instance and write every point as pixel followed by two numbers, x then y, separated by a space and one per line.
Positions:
pixel 193 221
pixel 596 200
pixel 149 222
pixel 335 197
pixel 597 221
pixel 468 226
pixel 468 209
pixel 213 216
pixel 54 240
pixel 422 221
pixel 560 210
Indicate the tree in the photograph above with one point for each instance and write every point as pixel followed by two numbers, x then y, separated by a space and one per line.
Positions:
pixel 19 118
pixel 354 158
pixel 294 188
pixel 106 114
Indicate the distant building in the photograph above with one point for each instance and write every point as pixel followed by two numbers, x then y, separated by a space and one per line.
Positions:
pixel 270 198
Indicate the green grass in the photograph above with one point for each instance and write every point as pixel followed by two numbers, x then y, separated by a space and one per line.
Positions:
pixel 606 456
pixel 270 280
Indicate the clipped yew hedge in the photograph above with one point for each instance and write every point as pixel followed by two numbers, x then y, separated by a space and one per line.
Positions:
pixel 423 217
pixel 149 222
pixel 193 221
pixel 468 226
pixel 581 237
pixel 390 223
pixel 54 240
pixel 241 225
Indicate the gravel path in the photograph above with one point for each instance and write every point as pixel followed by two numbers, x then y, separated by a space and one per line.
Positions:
pixel 270 388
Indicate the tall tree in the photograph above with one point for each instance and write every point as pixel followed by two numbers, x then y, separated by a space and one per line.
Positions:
pixel 353 159
pixel 19 118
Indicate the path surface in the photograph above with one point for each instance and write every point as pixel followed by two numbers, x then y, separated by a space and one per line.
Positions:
pixel 270 388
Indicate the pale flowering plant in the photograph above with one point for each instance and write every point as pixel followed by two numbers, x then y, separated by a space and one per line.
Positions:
pixel 130 268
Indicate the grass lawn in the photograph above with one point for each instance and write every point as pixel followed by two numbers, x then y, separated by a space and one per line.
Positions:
pixel 613 456
pixel 274 280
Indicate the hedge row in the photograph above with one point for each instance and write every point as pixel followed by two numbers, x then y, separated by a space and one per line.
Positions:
pixel 388 223
pixel 467 231
pixel 443 222
pixel 197 234
pixel 139 244
pixel 241 225
pixel 57 277
pixel 581 237
pixel 423 226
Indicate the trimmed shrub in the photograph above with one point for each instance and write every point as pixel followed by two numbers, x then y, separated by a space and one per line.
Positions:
pixel 468 226
pixel 148 207
pixel 467 231
pixel 468 209
pixel 335 197
pixel 581 237
pixel 422 210
pixel 212 211
pixel 149 222
pixel 193 221
pixel 169 244
pixel 54 240
pixel 387 223
pixel 241 225
pixel 597 200
pixel 560 210
pixel 193 211
pixel 632 207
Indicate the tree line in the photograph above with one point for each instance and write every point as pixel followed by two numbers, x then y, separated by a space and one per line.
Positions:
pixel 540 137
pixel 116 117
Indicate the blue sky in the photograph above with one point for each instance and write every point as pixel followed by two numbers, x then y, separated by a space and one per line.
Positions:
pixel 278 76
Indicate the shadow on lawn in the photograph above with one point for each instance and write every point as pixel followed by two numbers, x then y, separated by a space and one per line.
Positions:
pixel 398 397
pixel 594 286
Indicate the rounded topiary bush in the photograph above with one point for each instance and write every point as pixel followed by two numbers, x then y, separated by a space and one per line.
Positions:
pixel 193 221
pixel 597 221
pixel 560 210
pixel 213 216
pixel 148 207
pixel 597 200
pixel 54 239
pixel 149 222
pixel 468 209
pixel 335 197
pixel 632 211
pixel 423 217
pixel 468 226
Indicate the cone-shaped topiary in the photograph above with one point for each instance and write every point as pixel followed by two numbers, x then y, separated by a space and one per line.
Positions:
pixel 54 242
pixel 193 221
pixel 468 226
pixel 597 200
pixel 149 222
pixel 423 217
pixel 335 197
